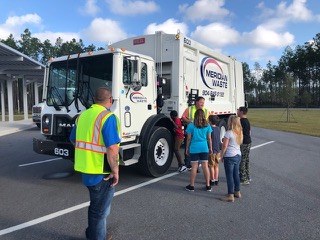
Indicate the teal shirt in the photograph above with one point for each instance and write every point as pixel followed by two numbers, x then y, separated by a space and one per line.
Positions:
pixel 199 142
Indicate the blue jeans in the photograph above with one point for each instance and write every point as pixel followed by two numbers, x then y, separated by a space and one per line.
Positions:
pixel 231 167
pixel 101 196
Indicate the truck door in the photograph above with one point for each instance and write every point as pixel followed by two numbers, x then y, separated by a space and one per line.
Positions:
pixel 189 70
pixel 136 98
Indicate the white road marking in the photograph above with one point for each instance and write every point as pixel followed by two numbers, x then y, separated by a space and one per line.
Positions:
pixel 145 183
pixel 263 144
pixel 86 204
pixel 77 207
pixel 33 163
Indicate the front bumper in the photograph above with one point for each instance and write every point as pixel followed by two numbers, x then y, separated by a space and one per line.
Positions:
pixel 49 147
pixel 36 119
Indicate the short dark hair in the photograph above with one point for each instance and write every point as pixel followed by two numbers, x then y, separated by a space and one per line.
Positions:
pixel 102 94
pixel 243 109
pixel 213 119
pixel 173 113
pixel 199 98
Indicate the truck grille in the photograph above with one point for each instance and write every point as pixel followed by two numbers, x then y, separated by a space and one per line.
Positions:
pixel 36 109
pixel 63 125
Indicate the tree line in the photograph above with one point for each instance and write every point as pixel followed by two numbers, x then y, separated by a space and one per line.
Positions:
pixel 293 82
pixel 43 51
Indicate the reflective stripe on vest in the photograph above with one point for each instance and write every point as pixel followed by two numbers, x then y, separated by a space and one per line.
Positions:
pixel 91 147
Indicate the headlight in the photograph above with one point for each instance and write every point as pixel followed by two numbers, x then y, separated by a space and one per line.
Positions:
pixel 46 120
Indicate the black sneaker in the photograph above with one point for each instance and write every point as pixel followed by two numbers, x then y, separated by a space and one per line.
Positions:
pixel 190 188
pixel 212 183
pixel 208 188
pixel 216 183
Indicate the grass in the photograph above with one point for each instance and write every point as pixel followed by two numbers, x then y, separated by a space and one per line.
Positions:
pixel 17 117
pixel 305 122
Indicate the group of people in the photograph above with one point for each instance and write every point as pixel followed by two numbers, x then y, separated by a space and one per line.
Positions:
pixel 96 140
pixel 202 147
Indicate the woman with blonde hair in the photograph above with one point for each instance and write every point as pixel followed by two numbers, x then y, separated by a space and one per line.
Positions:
pixel 231 157
pixel 198 147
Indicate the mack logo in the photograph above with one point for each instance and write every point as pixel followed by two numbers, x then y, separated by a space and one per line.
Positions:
pixel 66 125
pixel 212 74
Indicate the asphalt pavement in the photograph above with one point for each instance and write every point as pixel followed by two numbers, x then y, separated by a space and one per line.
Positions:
pixel 15 126
pixel 282 201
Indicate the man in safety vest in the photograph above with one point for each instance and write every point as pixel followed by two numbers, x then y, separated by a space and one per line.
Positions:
pixel 96 135
pixel 187 117
pixel 188 114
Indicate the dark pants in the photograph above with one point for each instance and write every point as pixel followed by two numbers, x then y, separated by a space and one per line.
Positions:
pixel 187 159
pixel 100 204
pixel 244 164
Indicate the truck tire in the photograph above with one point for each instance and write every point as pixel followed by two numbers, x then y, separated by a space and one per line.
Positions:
pixel 158 158
pixel 223 128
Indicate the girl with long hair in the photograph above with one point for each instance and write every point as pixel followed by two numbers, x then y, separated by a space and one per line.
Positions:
pixel 231 157
pixel 198 147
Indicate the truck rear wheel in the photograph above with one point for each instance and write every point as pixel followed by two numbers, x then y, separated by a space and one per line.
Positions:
pixel 158 158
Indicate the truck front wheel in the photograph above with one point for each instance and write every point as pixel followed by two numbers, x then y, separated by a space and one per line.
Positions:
pixel 158 158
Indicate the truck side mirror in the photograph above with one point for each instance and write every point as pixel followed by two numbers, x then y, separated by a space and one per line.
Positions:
pixel 132 72
pixel 136 84
pixel 136 67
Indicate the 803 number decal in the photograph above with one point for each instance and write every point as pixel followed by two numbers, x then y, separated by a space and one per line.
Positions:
pixel 61 152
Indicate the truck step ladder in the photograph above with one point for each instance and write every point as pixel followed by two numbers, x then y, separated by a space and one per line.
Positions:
pixel 133 150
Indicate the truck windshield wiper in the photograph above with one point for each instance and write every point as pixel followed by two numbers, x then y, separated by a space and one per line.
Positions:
pixel 86 85
pixel 66 86
pixel 76 93
pixel 81 86
pixel 55 92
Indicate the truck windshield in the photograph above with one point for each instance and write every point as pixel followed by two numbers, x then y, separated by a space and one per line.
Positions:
pixel 78 79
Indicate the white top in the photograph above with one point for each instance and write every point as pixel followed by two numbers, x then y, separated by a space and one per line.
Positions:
pixel 233 148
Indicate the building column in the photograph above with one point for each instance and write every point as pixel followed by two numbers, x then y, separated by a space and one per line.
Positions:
pixel 36 93
pixel 3 107
pixel 10 100
pixel 25 99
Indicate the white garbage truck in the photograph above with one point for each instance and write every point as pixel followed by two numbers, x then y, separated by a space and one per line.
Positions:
pixel 149 76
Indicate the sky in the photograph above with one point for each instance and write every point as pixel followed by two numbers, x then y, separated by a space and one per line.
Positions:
pixel 249 30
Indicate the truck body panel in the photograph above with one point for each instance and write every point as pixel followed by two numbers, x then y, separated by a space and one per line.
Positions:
pixel 187 64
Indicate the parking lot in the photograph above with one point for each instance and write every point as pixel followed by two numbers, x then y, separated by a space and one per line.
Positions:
pixel 42 198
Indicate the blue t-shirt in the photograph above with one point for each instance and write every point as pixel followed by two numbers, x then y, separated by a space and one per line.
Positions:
pixel 110 137
pixel 199 142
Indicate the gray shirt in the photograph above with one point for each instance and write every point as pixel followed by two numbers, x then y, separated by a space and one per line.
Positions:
pixel 233 148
